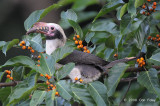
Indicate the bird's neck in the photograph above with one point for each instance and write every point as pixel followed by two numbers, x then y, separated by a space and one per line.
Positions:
pixel 52 45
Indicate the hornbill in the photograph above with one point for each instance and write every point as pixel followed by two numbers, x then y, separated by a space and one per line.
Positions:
pixel 87 66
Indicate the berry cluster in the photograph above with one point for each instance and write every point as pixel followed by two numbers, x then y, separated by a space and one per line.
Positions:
pixel 148 10
pixel 80 80
pixel 141 62
pixel 9 74
pixel 50 86
pixel 79 44
pixel 155 39
pixel 23 45
pixel 116 55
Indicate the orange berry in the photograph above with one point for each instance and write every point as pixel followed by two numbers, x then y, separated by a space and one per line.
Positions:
pixel 38 65
pixel 41 75
pixel 78 36
pixel 8 76
pixel 78 46
pixel 80 80
pixel 49 77
pixel 80 42
pixel 148 0
pixel 23 42
pixel 20 44
pixel 38 61
pixel 32 50
pixel 154 10
pixel 137 60
pixel 157 35
pixel 56 93
pixel 140 65
pixel 154 3
pixel 153 38
pixel 51 85
pixel 149 37
pixel 85 47
pixel 46 75
pixel 29 47
pixel 53 88
pixel 140 61
pixel 158 44
pixel 6 71
pixel 76 42
pixel 151 9
pixel 115 55
pixel 144 12
pixel 47 82
pixel 74 38
pixel 88 51
pixel 11 78
pixel 143 63
pixel 142 58
pixel 84 50
pixel 39 56
pixel 148 14
pixel 154 7
pixel 81 46
pixel 143 6
pixel 76 78
pixel 23 47
pixel 9 72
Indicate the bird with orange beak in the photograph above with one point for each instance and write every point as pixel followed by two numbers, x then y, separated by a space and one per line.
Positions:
pixel 88 66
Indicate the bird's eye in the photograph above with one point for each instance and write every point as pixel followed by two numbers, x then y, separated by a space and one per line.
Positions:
pixel 52 28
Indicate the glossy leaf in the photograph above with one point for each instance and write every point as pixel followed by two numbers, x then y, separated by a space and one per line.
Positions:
pixel 4 92
pixel 123 10
pixel 18 61
pixel 155 59
pixel 64 89
pixel 99 93
pixel 150 80
pixel 109 7
pixel 9 45
pixel 37 98
pixel 115 74
pixel 2 43
pixel 49 98
pixel 139 3
pixel 36 43
pixel 39 14
pixel 64 71
pixel 83 94
pixel 89 36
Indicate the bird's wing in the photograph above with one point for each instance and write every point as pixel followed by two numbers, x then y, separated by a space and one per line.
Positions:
pixel 79 57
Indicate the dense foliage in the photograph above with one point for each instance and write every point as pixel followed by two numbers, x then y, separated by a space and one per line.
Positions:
pixel 120 29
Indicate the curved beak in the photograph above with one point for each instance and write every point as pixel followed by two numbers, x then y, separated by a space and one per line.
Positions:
pixel 39 27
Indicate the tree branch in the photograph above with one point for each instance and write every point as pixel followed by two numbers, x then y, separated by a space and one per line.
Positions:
pixel 14 83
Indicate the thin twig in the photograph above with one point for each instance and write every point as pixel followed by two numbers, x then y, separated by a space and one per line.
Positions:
pixel 158 28
pixel 129 85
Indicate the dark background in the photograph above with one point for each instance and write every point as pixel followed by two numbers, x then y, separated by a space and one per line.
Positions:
pixel 13 13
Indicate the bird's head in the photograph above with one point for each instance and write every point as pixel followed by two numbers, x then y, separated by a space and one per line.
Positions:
pixel 55 36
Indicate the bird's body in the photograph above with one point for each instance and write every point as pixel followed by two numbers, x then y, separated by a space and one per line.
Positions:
pixel 88 66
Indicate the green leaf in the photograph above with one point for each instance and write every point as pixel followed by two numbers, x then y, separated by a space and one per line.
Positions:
pixel 150 80
pixel 123 10
pixel 9 44
pixel 49 98
pixel 64 89
pixel 99 93
pixel 104 25
pixel 62 52
pixel 36 43
pixel 155 59
pixel 4 92
pixel 1 75
pixel 131 7
pixel 47 64
pixel 109 7
pixel 107 53
pixel 18 61
pixel 64 71
pixel 23 89
pixel 139 3
pixel 37 98
pixel 80 5
pixel 89 36
pixel 83 94
pixel 2 43
pixel 76 27
pixel 70 15
pixel 39 14
pixel 115 74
